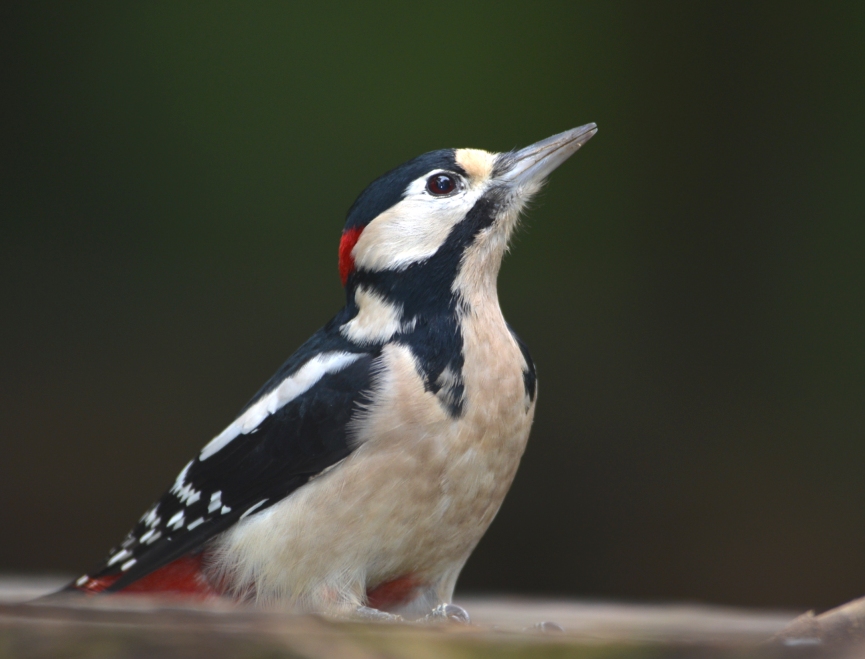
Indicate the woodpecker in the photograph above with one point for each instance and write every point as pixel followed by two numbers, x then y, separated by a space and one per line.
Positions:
pixel 365 471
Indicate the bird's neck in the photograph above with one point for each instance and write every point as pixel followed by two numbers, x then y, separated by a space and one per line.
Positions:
pixel 380 305
pixel 476 283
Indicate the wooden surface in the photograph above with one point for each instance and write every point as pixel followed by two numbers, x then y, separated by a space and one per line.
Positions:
pixel 124 626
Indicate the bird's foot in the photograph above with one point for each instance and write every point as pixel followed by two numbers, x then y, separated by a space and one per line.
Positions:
pixel 369 614
pixel 448 613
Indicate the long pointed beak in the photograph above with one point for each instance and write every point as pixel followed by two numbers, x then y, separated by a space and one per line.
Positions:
pixel 534 163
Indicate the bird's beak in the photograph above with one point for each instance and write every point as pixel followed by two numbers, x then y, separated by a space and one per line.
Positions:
pixel 534 163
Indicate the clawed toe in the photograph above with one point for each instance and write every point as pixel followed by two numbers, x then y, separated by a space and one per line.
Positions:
pixel 449 613
pixel 374 615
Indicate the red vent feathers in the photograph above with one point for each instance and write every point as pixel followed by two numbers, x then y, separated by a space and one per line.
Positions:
pixel 393 593
pixel 183 576
pixel 346 260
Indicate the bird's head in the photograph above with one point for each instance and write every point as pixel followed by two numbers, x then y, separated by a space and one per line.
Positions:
pixel 438 225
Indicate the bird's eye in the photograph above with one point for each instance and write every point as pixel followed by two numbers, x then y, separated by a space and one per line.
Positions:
pixel 441 184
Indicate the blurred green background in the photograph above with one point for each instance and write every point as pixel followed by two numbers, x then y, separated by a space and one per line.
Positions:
pixel 174 181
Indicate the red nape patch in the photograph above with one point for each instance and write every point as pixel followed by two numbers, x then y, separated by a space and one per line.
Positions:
pixel 393 593
pixel 346 260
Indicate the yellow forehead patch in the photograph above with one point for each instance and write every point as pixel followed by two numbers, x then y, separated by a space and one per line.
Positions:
pixel 477 163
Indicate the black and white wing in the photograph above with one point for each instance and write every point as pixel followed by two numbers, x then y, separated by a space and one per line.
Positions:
pixel 292 430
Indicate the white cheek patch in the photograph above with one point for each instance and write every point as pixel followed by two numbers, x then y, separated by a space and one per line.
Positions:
pixel 376 319
pixel 413 229
pixel 293 386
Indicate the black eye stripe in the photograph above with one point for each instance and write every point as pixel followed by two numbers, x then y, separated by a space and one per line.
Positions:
pixel 441 184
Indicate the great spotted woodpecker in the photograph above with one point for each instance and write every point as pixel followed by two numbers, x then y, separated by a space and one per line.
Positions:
pixel 364 472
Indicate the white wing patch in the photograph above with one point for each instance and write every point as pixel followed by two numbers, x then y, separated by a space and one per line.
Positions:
pixel 293 386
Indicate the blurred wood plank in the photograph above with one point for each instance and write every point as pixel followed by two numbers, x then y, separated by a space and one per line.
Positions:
pixel 128 626
pixel 843 625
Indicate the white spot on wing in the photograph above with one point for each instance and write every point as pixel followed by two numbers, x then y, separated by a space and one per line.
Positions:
pixel 176 520
pixel 82 580
pixel 150 518
pixel 128 564
pixel 187 494
pixel 152 538
pixel 183 490
pixel 215 501
pixel 193 524
pixel 293 386
pixel 181 477
pixel 119 556
pixel 225 509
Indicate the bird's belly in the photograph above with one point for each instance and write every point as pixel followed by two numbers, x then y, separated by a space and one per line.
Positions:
pixel 411 502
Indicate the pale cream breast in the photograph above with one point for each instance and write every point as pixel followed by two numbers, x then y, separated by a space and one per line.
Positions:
pixel 414 498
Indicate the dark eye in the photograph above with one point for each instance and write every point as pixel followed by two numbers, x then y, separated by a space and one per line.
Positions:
pixel 441 184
